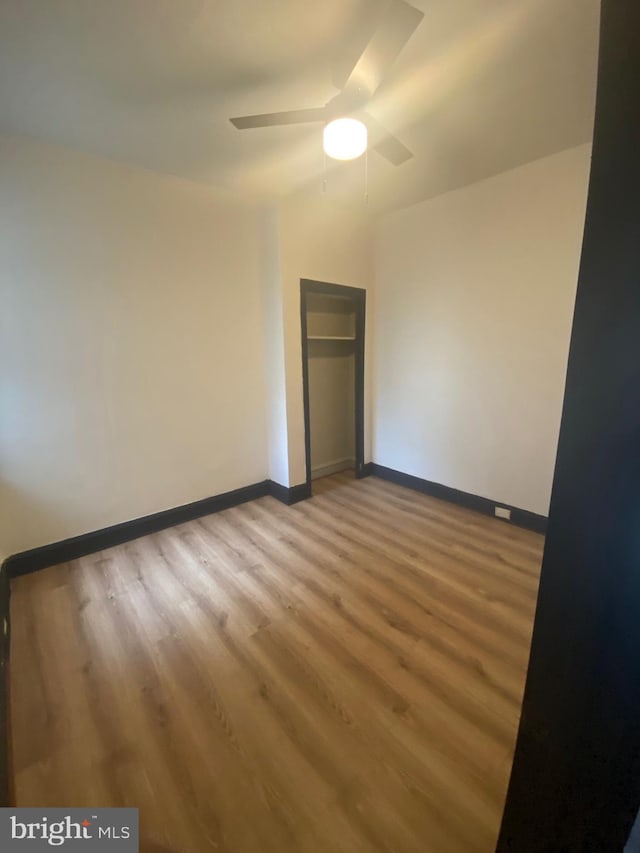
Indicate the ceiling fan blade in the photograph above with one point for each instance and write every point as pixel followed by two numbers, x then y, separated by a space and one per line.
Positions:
pixel 385 143
pixel 393 150
pixel 395 27
pixel 274 119
pixel 349 51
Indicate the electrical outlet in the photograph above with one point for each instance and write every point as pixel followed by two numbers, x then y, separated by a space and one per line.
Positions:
pixel 503 512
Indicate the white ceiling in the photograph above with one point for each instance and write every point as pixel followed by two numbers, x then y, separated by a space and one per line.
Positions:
pixel 482 86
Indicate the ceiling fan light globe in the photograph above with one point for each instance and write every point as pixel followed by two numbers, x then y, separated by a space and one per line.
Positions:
pixel 344 138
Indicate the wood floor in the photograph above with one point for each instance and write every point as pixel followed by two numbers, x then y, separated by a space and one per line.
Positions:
pixel 339 676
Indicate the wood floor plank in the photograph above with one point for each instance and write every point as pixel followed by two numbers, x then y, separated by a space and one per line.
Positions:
pixel 342 675
pixel 336 600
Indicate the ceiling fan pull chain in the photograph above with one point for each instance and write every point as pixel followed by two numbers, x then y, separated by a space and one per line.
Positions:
pixel 324 171
pixel 366 176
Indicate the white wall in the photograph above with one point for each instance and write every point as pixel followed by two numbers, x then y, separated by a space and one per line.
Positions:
pixel 150 335
pixel 474 302
pixel 131 344
pixel 274 355
pixel 323 240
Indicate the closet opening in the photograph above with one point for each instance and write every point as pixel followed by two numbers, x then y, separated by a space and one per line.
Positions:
pixel 332 321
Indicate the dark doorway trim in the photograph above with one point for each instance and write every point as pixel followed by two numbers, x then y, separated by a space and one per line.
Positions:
pixel 359 296
pixel 575 779
pixel 6 776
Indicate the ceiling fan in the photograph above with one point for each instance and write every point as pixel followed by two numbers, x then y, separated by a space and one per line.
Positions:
pixel 345 112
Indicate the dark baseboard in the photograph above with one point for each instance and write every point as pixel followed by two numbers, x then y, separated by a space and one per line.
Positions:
pixel 5 769
pixel 365 471
pixel 289 494
pixel 519 517
pixel 98 540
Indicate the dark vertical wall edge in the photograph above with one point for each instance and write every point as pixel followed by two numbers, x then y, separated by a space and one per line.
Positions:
pixel 575 780
pixel 361 313
pixel 304 290
pixel 5 623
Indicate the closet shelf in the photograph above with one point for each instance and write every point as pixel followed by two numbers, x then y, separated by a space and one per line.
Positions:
pixel 330 338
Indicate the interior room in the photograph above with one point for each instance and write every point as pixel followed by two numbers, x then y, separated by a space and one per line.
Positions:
pixel 278 430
